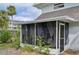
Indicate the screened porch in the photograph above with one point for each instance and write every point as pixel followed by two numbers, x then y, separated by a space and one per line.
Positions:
pixel 48 31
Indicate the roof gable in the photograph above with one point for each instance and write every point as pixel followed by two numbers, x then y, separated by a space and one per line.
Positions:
pixel 68 11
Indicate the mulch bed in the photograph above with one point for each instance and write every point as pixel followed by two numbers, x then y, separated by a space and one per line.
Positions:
pixel 13 51
pixel 70 52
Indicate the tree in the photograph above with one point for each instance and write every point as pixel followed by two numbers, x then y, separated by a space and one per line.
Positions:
pixel 3 19
pixel 11 11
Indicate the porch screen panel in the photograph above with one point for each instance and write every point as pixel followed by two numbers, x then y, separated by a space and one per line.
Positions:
pixel 66 33
pixel 32 33
pixel 23 34
pixel 30 37
pixel 52 30
pixel 28 34
pixel 47 30
pixel 42 31
pixel 39 30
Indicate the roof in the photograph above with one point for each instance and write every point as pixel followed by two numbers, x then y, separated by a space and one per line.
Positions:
pixel 68 11
pixel 66 15
pixel 61 18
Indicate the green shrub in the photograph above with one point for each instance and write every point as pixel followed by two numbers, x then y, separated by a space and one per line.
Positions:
pixel 36 49
pixel 28 48
pixel 40 41
pixel 44 50
pixel 43 46
pixel 16 43
pixel 6 45
pixel 16 40
pixel 5 36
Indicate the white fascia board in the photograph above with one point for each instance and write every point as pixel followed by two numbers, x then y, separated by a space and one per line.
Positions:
pixel 61 18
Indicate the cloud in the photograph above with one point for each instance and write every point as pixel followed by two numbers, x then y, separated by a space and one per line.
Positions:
pixel 24 12
pixel 21 18
pixel 16 4
pixel 28 12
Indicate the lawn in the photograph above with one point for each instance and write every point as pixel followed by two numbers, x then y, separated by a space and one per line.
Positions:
pixel 8 49
pixel 5 45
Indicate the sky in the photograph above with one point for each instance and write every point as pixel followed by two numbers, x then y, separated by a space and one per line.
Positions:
pixel 24 12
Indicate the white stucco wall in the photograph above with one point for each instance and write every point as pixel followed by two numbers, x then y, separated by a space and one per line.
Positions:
pixel 74 36
pixel 50 7
pixel 74 28
pixel 71 4
pixel 47 8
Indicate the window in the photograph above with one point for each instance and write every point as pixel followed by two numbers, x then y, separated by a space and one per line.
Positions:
pixel 58 5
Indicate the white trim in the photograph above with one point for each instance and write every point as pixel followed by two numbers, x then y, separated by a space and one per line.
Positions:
pixel 20 35
pixel 64 36
pixel 59 34
pixel 56 35
pixel 61 18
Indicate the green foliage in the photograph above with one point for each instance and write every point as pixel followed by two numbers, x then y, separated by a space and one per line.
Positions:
pixel 36 48
pixel 28 36
pixel 3 19
pixel 5 36
pixel 43 47
pixel 45 50
pixel 16 43
pixel 11 10
pixel 40 41
pixel 16 40
pixel 28 48
pixel 6 45
pixel 3 13
pixel 41 50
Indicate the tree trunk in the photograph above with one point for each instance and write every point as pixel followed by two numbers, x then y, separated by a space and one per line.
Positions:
pixel 12 17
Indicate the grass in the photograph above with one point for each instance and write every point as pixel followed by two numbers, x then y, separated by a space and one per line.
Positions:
pixel 31 48
pixel 6 45
pixel 26 48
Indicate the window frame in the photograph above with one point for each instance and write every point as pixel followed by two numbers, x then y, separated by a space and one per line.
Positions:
pixel 58 5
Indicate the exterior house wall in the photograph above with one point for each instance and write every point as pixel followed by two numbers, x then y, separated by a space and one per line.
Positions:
pixel 47 8
pixel 68 5
pixel 73 36
pixel 50 7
